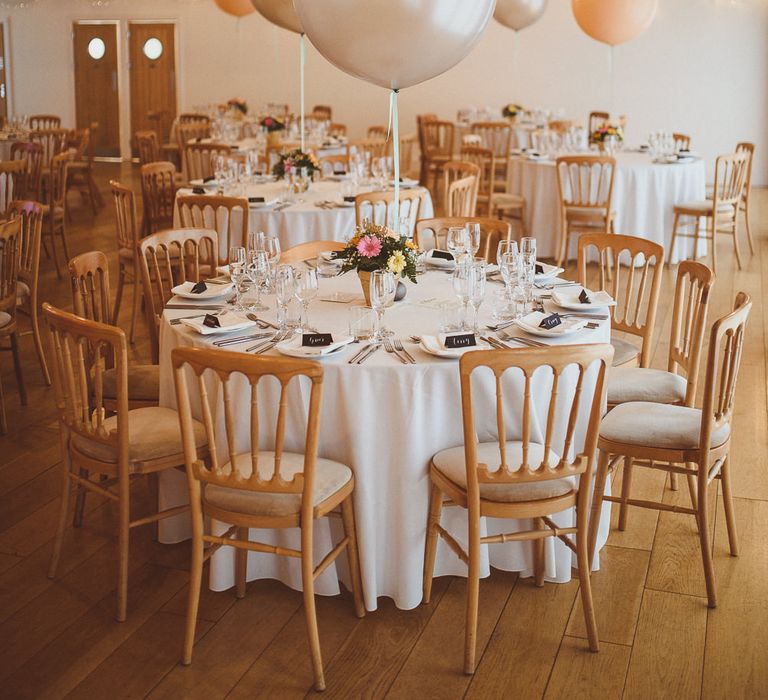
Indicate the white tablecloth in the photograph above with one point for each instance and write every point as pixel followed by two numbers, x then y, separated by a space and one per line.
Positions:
pixel 385 420
pixel 644 194
pixel 304 221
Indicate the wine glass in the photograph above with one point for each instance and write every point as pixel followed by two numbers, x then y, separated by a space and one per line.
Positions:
pixel 456 241
pixel 285 290
pixel 528 266
pixel 473 238
pixel 305 290
pixel 256 240
pixel 476 291
pixel 461 285
pixel 509 267
pixel 506 245
pixel 271 245
pixel 219 169
pixel 382 291
pixel 258 271
pixel 237 272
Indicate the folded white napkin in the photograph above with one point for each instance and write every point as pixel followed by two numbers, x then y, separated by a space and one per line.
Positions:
pixel 530 324
pixel 228 321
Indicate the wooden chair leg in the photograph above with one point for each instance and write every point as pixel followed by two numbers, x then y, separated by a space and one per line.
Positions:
pixel 730 518
pixel 626 485
pixel 52 234
pixel 39 342
pixel 435 508
pixel 80 494
pixel 310 612
pixel 241 563
pixel 696 222
pixel 3 417
pixel 119 293
pixel 713 237
pixel 17 368
pixel 736 243
pixel 137 295
pixel 561 257
pixel 692 486
pixel 584 562
pixel 193 600
pixel 674 238
pixel 673 481
pixel 63 236
pixel 66 485
pixel 747 226
pixel 597 503
pixel 473 591
pixel 154 498
pixel 123 535
pixel 348 518
pixel 706 549
pixel 538 554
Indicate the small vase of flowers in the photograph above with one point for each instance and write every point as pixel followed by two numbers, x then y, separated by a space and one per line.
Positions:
pixel 274 126
pixel 607 136
pixel 511 111
pixel 237 107
pixel 293 162
pixel 378 248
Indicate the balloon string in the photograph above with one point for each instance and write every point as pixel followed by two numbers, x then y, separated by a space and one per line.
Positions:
pixel 302 56
pixel 396 153
pixel 610 79
pixel 515 41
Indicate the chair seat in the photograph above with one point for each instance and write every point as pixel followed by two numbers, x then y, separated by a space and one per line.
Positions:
pixel 153 433
pixel 505 200
pixel 658 425
pixel 22 292
pixel 701 208
pixel 623 352
pixel 143 383
pixel 451 464
pixel 5 319
pixel 585 217
pixel 627 384
pixel 330 476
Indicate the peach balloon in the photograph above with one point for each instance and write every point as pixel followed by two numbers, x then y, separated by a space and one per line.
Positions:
pixel 238 8
pixel 614 21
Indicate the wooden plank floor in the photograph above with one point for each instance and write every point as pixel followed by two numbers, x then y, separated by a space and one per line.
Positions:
pixel 58 638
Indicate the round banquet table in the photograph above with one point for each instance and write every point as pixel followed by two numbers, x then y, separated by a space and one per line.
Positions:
pixel 384 420
pixel 305 220
pixel 644 194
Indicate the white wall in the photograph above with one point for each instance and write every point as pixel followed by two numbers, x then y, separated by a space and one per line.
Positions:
pixel 701 68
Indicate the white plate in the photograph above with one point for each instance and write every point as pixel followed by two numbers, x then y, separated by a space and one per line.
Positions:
pixel 214 291
pixel 431 344
pixel 293 347
pixel 229 322
pixel 568 298
pixel 200 183
pixel 530 324
pixel 264 204
pixel 549 271
pixel 405 183
pixel 439 263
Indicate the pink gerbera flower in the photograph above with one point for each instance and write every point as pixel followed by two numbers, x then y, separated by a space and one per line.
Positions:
pixel 369 246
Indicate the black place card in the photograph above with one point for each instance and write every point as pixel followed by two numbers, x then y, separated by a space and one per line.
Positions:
pixel 199 139
pixel 460 341
pixel 256 200
pixel 350 198
pixel 538 269
pixel 316 340
pixel 584 297
pixel 211 321
pixel 199 288
pixel 210 178
pixel 442 254
pixel 550 322
pixel 198 190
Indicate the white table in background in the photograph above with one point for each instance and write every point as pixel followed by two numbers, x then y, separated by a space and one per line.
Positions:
pixel 385 420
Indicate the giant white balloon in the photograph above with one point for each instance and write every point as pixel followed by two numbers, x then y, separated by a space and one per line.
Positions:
pixel 279 12
pixel 394 43
pixel 519 14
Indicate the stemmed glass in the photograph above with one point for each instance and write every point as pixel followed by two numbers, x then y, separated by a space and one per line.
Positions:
pixel 473 239
pixel 285 290
pixel 528 267
pixel 456 241
pixel 461 287
pixel 258 271
pixel 238 273
pixel 305 290
pixel 382 292
pixel 219 169
pixel 271 245
pixel 505 246
pixel 476 291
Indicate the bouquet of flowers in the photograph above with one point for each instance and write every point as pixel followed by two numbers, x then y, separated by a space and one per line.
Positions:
pixel 294 161
pixel 600 134
pixel 378 248
pixel 236 104
pixel 272 124
pixel 511 110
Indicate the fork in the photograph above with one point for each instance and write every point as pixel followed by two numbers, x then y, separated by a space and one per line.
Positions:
pixel 239 339
pixel 399 346
pixel 391 349
pixel 523 341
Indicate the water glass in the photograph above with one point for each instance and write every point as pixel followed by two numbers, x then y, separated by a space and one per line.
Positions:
pixel 473 238
pixel 505 246
pixel 382 292
pixel 284 293
pixel 461 287
pixel 258 274
pixel 476 291
pixel 306 291
pixel 456 241
pixel 361 323
pixel 238 273
pixel 450 317
pixel 509 266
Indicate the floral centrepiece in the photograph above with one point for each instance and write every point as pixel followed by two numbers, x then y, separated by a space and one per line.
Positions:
pixel 272 124
pixel 511 110
pixel 605 131
pixel 294 162
pixel 238 105
pixel 378 248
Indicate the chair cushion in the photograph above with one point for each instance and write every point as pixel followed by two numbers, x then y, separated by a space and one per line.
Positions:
pixel 704 207
pixel 330 476
pixel 658 425
pixel 587 216
pixel 143 383
pixel 5 319
pixel 153 432
pixel 640 384
pixel 22 291
pixel 451 464
pixel 623 351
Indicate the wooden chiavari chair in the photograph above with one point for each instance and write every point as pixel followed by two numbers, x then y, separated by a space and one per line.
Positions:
pixel 497 137
pixel 432 233
pixel 749 149
pixel 193 118
pixel 322 112
pixel 119 448
pixel 368 148
pixel 309 251
pixel 148 146
pixel 38 122
pixel 13 174
pixel 56 211
pixel 377 132
pixel 158 191
pixel 30 216
pixel 437 150
pixel 198 158
pixel 337 130
pixel 168 258
pixel 595 121
pixel 630 270
pixel 407 148
pixel 53 141
pixel 32 155
pixel 531 477
pixel 460 186
pixel 585 187
pixel 720 212
pixel 330 165
pixel 378 207
pixel 127 230
pixel 10 251
pixel 89 277
pixel 682 440
pixel 260 486
pixel 80 170
pixel 682 142
pixel 228 216
pixel 190 132
pixel 561 126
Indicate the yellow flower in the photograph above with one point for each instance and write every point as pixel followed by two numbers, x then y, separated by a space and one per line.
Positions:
pixel 410 244
pixel 396 262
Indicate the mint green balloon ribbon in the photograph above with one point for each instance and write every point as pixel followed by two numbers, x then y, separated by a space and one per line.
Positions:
pixel 302 57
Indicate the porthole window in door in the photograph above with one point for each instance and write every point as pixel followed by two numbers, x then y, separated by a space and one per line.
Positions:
pixel 153 48
pixel 96 48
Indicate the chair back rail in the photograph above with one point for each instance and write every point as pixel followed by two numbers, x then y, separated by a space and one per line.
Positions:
pixel 158 191
pixel 432 233
pixel 199 159
pixel 10 255
pixel 126 228
pixel 32 154
pixel 495 136
pixel 30 216
pixel 228 216
pixel 586 182
pixel 378 207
